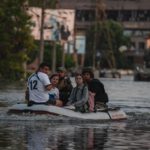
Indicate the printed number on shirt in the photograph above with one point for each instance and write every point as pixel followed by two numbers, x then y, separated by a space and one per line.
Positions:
pixel 33 85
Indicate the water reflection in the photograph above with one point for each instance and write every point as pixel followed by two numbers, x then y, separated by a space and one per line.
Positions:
pixel 66 138
pixel 50 137
pixel 54 133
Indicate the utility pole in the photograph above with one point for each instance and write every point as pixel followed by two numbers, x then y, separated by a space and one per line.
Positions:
pixel 54 45
pixel 41 53
pixel 54 57
pixel 63 54
pixel 99 16
pixel 95 37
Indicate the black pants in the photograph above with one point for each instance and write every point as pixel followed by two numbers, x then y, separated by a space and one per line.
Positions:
pixel 49 102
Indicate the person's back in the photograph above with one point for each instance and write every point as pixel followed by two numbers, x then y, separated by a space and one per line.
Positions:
pixel 97 87
pixel 38 85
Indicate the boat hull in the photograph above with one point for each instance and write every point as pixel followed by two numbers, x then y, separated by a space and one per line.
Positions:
pixel 110 114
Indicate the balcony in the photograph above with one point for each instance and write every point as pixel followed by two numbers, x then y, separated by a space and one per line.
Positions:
pixel 83 25
pixel 136 25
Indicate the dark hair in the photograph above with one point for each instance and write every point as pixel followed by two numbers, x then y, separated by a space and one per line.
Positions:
pixel 88 70
pixel 78 74
pixel 53 75
pixel 42 65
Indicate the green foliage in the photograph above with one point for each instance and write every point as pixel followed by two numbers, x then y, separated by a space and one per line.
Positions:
pixel 48 55
pixel 109 38
pixel 15 40
pixel 69 62
pixel 46 3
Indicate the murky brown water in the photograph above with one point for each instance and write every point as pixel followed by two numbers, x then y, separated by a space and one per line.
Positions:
pixel 61 133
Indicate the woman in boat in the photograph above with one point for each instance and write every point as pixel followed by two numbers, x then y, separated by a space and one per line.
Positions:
pixel 79 95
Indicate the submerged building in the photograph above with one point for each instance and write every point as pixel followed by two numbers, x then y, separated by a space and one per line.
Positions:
pixel 134 15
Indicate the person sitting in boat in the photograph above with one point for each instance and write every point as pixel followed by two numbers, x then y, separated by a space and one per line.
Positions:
pixel 39 86
pixel 64 85
pixel 96 87
pixel 79 95
pixel 54 92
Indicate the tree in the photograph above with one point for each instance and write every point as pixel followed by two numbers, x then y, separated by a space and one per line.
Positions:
pixel 109 38
pixel 16 41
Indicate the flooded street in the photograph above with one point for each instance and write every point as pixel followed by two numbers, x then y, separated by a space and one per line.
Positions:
pixel 42 132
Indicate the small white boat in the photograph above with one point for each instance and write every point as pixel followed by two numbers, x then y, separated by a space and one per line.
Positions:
pixel 109 114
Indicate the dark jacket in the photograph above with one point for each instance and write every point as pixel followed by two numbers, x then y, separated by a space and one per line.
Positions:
pixel 97 87
pixel 65 88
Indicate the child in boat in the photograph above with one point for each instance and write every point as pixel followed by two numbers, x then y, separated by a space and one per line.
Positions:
pixel 54 92
pixel 79 95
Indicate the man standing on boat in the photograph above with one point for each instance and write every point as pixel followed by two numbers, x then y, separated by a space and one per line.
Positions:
pixel 96 87
pixel 39 86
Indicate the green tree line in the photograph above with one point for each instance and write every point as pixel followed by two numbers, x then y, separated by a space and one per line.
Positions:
pixel 109 37
pixel 17 46
pixel 16 41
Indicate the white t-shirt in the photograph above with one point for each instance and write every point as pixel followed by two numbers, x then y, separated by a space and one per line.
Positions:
pixel 54 93
pixel 36 84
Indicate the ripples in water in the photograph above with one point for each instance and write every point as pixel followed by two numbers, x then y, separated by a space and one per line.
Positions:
pixel 44 132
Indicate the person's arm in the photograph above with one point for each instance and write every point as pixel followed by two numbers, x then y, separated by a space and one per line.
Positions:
pixel 48 87
pixel 71 97
pixel 45 80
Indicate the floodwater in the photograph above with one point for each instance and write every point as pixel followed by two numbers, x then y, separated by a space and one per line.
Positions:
pixel 41 132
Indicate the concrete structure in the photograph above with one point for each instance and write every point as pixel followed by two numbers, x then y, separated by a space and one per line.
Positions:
pixel 84 18
pixel 134 15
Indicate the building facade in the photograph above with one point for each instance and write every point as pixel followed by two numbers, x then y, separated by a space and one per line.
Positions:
pixel 134 15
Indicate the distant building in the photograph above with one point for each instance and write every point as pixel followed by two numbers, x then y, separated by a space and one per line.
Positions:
pixel 134 15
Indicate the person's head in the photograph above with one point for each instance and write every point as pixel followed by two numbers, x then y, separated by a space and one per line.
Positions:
pixel 44 67
pixel 87 74
pixel 78 79
pixel 61 71
pixel 54 79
